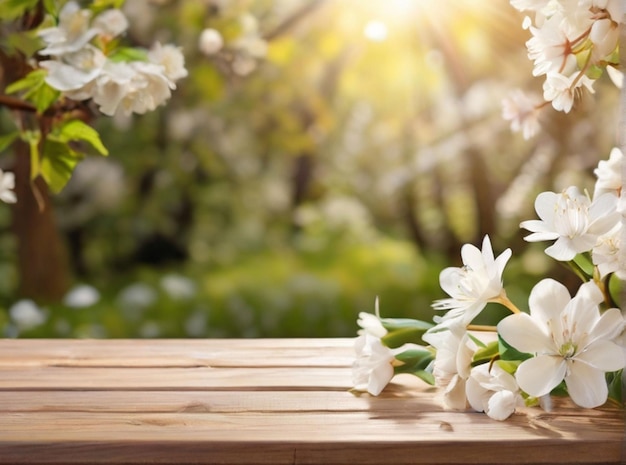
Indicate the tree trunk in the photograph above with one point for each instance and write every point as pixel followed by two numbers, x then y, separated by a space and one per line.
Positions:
pixel 42 256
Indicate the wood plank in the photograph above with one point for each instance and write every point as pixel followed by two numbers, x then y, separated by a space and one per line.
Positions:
pixel 258 401
pixel 197 378
pixel 176 352
pixel 349 435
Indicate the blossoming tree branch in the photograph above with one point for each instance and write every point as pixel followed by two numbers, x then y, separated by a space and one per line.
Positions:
pixel 73 64
pixel 556 343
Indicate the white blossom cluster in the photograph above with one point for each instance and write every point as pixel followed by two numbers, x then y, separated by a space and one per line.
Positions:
pixel 79 65
pixel 562 340
pixel 572 42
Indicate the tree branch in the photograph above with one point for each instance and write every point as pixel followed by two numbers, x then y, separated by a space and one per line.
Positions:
pixel 16 104
pixel 292 19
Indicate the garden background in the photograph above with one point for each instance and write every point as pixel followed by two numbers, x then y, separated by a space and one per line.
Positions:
pixel 330 152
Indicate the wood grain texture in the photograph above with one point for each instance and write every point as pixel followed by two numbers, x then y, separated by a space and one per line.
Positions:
pixel 280 401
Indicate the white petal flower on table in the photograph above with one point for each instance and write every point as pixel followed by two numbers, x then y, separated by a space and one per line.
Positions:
pixel 7 184
pixel 471 287
pixel 452 363
pixel 373 368
pixel 371 324
pixel 573 220
pixel 492 390
pixel 570 341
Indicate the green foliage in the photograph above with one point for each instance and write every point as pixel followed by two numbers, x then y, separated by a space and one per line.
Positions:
pixel 13 9
pixel 7 139
pixel 509 353
pixel 486 354
pixel 58 163
pixel 415 362
pixel 76 130
pixel 34 89
pixel 403 331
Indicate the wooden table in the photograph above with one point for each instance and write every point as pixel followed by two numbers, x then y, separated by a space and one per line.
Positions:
pixel 280 401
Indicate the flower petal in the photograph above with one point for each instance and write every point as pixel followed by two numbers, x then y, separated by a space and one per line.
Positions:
pixel 547 299
pixel 538 376
pixel 501 405
pixel 586 385
pixel 454 396
pixel 603 355
pixel 562 250
pixel 525 334
pixel 379 378
pixel 609 326
pixel 544 205
pixel 477 396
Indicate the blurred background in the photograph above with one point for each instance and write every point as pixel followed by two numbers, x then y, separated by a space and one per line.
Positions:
pixel 329 152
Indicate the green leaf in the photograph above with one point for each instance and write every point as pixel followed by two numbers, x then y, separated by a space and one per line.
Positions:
pixel 76 130
pixel 486 354
pixel 32 139
pixel 12 9
pixel 393 324
pixel 100 5
pixel 129 54
pixel 507 352
pixel 35 89
pixel 413 359
pixel 584 263
pixel 510 366
pixel 7 139
pixel 28 82
pixel 26 42
pixel 477 341
pixel 403 336
pixel 425 376
pixel 57 164
pixel 614 383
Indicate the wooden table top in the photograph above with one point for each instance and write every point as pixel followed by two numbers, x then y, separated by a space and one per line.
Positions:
pixel 258 401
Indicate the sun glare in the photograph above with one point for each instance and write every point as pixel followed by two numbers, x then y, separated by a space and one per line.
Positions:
pixel 376 31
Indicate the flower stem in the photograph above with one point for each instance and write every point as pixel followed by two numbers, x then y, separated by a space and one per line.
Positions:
pixel 504 300
pixel 488 328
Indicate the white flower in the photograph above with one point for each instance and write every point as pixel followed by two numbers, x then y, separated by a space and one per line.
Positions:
pixel 373 367
pixel 561 90
pixel 573 220
pixel 72 33
pixel 492 390
pixel 171 58
pixel 210 41
pixel 609 173
pixel 616 76
pixel 571 341
pixel 134 87
pixel 111 23
pixel 607 252
pixel 452 363
pixel 371 324
pixel 27 315
pixel 523 112
pixel 81 296
pixel 75 72
pixel 178 287
pixel 479 281
pixel 136 296
pixel 7 184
